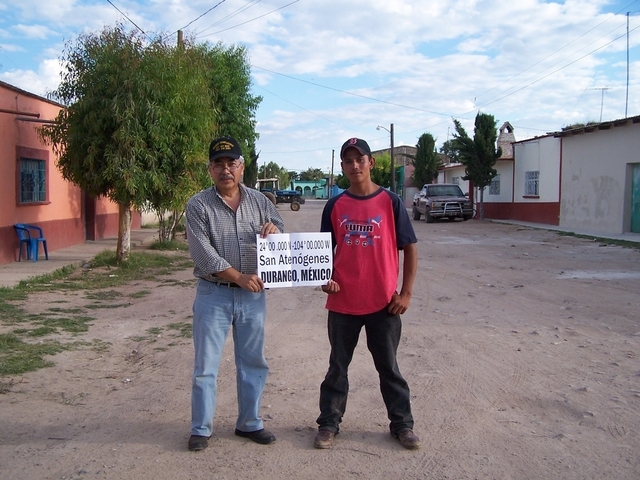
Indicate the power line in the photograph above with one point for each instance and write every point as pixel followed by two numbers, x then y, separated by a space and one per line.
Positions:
pixel 558 50
pixel 202 15
pixel 249 21
pixel 125 16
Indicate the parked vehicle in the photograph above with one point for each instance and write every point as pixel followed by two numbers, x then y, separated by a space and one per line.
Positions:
pixel 280 196
pixel 441 200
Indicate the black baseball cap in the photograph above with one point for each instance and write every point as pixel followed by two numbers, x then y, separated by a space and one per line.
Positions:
pixel 224 147
pixel 358 144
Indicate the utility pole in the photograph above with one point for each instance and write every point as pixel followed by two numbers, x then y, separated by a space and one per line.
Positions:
pixel 393 165
pixel 602 89
pixel 331 175
pixel 626 103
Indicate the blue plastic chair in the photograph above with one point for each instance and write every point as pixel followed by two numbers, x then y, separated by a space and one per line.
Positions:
pixel 27 235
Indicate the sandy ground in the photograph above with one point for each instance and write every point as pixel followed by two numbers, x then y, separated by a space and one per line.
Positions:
pixel 520 349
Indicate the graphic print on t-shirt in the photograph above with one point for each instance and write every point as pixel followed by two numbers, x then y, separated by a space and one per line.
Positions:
pixel 360 232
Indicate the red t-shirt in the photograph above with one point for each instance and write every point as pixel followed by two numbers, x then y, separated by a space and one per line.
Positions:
pixel 367 233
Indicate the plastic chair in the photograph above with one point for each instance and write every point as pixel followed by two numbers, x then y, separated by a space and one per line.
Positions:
pixel 27 235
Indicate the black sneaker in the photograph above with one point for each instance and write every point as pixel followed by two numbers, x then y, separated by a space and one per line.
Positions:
pixel 198 442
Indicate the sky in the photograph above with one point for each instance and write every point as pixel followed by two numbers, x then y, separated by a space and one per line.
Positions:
pixel 330 70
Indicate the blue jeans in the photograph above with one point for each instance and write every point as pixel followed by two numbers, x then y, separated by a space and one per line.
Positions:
pixel 215 309
pixel 383 337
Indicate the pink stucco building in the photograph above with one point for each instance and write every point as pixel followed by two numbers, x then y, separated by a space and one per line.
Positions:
pixel 32 189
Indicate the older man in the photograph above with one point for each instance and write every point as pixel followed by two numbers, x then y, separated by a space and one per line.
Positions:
pixel 222 223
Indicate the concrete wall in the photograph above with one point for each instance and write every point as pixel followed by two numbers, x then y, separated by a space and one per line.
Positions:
pixel 539 154
pixel 596 178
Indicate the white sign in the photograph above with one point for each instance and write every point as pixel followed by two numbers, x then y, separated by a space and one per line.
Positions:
pixel 295 259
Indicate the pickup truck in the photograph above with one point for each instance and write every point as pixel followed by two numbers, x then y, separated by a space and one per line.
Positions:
pixel 441 200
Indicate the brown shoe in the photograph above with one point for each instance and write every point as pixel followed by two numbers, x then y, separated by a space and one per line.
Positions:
pixel 324 438
pixel 408 439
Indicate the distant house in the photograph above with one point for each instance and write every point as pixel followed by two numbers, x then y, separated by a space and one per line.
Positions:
pixel 583 179
pixel 32 189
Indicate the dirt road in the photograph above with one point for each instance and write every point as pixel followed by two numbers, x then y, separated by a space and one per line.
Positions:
pixel 520 347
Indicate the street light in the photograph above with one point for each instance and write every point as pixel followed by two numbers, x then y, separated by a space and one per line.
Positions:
pixel 393 167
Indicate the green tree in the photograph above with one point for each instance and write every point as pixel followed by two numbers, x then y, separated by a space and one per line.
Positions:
pixel 293 175
pixel 312 174
pixel 342 181
pixel 251 167
pixel 478 154
pixel 426 161
pixel 229 76
pixel 381 173
pixel 136 118
pixel 273 170
pixel 448 150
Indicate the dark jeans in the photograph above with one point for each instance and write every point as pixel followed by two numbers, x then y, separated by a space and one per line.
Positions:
pixel 383 336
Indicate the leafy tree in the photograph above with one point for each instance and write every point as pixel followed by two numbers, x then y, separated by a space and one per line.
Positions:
pixel 137 117
pixel 229 76
pixel 342 181
pixel 381 173
pixel 448 150
pixel 273 170
pixel 478 154
pixel 426 161
pixel 312 174
pixel 293 175
pixel 251 167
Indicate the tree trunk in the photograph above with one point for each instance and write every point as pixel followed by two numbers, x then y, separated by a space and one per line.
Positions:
pixel 481 208
pixel 124 233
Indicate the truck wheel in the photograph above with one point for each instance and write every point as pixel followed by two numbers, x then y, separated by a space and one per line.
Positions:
pixel 270 196
pixel 416 213
pixel 295 206
pixel 427 216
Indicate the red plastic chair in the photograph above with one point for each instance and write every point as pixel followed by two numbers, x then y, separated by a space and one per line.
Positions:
pixel 27 235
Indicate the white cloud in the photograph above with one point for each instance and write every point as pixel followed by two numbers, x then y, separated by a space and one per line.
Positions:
pixel 33 31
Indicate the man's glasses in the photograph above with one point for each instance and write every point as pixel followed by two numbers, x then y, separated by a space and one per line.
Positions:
pixel 231 166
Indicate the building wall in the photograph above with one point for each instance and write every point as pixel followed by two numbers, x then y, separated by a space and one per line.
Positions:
pixel 595 178
pixel 505 170
pixel 540 154
pixel 62 214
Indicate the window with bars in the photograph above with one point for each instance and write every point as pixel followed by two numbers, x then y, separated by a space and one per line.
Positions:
pixel 33 180
pixel 455 180
pixel 494 186
pixel 531 183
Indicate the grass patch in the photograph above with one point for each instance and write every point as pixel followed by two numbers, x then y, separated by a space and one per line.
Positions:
pixel 100 279
pixel 94 306
pixel 172 245
pixel 154 331
pixel 78 324
pixel 184 329
pixel 103 295
pixel 18 357
pixel 65 310
pixel 140 294
pixel 41 331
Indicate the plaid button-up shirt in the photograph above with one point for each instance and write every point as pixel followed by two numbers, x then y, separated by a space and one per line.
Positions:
pixel 220 238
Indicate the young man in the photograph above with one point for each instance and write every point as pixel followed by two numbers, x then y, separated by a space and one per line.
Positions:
pixel 368 225
pixel 222 223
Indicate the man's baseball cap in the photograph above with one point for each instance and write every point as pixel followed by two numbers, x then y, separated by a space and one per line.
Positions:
pixel 358 144
pixel 224 147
